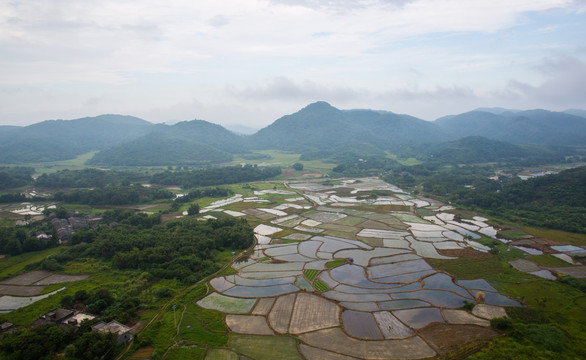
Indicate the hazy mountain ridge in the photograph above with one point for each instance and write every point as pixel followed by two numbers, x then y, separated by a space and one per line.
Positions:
pixel 53 140
pixel 321 126
pixel 206 133
pixel 540 127
pixel 478 149
pixel 160 149
pixel 318 126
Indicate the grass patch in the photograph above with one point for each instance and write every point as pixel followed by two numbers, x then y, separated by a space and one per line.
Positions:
pixel 508 253
pixel 425 212
pixel 285 159
pixel 185 353
pixel 310 274
pixel 221 354
pixel 470 268
pixel 203 327
pixel 490 242
pixel 265 347
pixel 404 161
pixel 12 265
pixel 349 220
pixel 548 260
pixel 320 286
pixel 558 235
pixel 336 263
pixel 552 326
pixel 54 166
pixel 513 235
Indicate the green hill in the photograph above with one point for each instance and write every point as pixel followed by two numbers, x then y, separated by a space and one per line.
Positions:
pixel 538 127
pixel 207 133
pixel 322 126
pixel 54 140
pixel 160 149
pixel 478 149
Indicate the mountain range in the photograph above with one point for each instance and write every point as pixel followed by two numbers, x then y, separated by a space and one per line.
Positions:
pixel 317 127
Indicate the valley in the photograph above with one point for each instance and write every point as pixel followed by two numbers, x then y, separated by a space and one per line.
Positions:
pixel 300 248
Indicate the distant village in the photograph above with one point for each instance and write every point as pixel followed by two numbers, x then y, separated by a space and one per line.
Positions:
pixel 71 320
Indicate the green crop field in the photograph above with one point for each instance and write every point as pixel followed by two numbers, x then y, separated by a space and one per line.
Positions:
pixel 320 286
pixel 310 274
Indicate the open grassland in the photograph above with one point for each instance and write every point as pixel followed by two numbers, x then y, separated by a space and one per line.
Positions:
pixel 470 268
pixel 558 235
pixel 285 160
pixel 54 166
pixel 513 235
pixel 562 306
pixel 185 353
pixel 548 260
pixel 203 327
pixel 406 162
pixel 12 265
pixel 265 347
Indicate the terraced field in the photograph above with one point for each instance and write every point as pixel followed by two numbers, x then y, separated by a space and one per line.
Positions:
pixel 348 278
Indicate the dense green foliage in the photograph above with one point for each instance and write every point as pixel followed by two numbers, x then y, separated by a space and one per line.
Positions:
pixel 159 149
pixel 183 250
pixel 17 240
pixel 12 198
pixel 55 140
pixel 11 177
pixel 297 166
pixel 86 178
pixel 478 149
pixel 104 304
pixel 115 195
pixel 530 334
pixel 552 201
pixel 215 176
pixel 45 341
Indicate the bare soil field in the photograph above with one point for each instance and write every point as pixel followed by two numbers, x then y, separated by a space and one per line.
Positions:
pixel 443 337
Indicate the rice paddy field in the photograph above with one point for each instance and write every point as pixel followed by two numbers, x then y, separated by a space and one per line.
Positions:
pixel 335 274
pixel 342 279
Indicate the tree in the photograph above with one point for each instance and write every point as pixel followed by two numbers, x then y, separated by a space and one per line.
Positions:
pixel 297 166
pixel 193 209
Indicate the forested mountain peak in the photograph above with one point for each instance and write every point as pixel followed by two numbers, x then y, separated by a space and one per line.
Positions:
pixel 524 127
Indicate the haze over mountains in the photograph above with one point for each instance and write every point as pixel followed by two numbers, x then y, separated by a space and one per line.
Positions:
pixel 318 126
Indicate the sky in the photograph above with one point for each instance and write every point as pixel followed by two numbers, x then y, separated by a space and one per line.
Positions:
pixel 250 62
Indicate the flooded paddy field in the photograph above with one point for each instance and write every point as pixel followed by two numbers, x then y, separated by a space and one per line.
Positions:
pixel 24 289
pixel 352 280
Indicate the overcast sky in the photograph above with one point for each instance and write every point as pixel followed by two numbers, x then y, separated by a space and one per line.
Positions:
pixel 252 61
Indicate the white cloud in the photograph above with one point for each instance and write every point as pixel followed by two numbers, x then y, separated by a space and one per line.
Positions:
pixel 64 57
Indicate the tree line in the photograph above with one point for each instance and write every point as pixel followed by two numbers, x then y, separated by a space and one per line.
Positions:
pixel 183 249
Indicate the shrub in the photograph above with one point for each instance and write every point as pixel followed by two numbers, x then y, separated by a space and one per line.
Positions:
pixel 501 323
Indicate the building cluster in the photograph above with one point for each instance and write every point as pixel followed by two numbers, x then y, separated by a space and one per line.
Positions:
pixel 66 318
pixel 64 228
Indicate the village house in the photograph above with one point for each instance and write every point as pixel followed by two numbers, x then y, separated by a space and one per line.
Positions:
pixel 64 318
pixel 122 332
